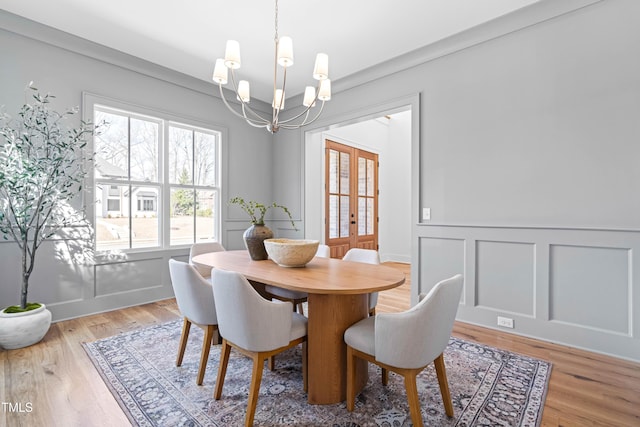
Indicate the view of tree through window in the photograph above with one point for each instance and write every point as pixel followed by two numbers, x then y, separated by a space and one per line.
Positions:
pixel 143 202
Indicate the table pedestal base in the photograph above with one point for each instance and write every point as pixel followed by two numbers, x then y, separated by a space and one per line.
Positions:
pixel 330 316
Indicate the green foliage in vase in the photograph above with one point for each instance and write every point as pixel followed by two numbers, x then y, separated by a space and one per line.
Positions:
pixel 257 210
pixel 42 168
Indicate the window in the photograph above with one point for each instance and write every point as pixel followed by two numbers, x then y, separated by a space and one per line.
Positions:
pixel 155 181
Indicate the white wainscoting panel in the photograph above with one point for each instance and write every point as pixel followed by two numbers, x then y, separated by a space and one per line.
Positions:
pixel 571 286
pixel 439 260
pixel 591 287
pixel 505 276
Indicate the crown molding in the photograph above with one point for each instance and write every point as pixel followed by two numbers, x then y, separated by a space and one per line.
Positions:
pixel 526 17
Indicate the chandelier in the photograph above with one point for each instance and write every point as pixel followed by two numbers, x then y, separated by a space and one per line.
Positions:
pixel 284 58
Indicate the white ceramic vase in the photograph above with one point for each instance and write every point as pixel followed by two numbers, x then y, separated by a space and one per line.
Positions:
pixel 19 330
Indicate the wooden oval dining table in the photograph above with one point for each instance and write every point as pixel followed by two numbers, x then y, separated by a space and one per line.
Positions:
pixel 338 297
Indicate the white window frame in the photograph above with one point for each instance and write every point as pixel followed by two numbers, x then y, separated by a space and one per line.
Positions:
pixel 90 103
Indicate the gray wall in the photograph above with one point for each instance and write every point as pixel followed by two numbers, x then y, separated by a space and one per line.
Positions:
pixel 67 66
pixel 526 155
pixel 524 142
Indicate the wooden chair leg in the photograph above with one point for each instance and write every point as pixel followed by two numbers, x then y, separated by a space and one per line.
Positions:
pixel 305 372
pixel 222 368
pixel 271 363
pixel 254 390
pixel 351 379
pixel 372 312
pixel 444 385
pixel 385 376
pixel 204 354
pixel 412 396
pixel 186 327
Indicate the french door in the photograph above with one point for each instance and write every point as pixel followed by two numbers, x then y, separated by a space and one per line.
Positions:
pixel 351 198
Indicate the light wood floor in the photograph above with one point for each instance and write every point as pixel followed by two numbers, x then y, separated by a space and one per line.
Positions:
pixel 59 383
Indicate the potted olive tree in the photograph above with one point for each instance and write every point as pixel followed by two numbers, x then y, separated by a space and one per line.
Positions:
pixel 42 168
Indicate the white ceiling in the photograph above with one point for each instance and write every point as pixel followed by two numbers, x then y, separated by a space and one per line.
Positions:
pixel 188 35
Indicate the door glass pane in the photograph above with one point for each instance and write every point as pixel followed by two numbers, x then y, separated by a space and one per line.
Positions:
pixel 333 171
pixel 144 150
pixel 205 204
pixel 205 159
pixel 370 218
pixel 333 217
pixel 182 210
pixel 144 218
pixel 362 216
pixel 344 216
pixel 370 177
pixel 180 155
pixel 362 176
pixel 344 173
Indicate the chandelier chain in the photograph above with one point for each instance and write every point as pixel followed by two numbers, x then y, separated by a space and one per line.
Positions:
pixel 276 24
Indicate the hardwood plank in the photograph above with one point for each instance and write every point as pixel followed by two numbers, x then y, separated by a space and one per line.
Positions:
pixel 58 379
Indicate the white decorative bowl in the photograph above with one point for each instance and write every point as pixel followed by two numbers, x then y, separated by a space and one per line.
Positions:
pixel 291 252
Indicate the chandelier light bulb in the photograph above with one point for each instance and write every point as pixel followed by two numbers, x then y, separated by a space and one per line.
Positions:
pixel 232 55
pixel 309 97
pixel 285 52
pixel 220 72
pixel 324 94
pixel 321 68
pixel 243 91
pixel 278 100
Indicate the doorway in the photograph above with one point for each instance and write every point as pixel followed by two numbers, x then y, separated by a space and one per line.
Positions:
pixel 351 198
pixel 391 132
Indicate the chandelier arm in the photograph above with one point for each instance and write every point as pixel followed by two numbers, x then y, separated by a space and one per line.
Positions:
pixel 245 107
pixel 306 111
pixel 305 122
pixel 249 121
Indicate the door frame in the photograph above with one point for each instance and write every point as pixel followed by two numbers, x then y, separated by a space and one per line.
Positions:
pixel 312 157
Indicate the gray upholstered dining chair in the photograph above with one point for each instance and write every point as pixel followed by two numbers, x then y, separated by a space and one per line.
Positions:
pixel 369 256
pixel 407 342
pixel 295 297
pixel 203 248
pixel 195 302
pixel 255 327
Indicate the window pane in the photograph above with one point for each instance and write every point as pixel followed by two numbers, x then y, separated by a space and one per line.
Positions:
pixel 144 218
pixel 180 155
pixel 144 150
pixel 182 211
pixel 205 159
pixel 205 209
pixel 112 146
pixel 112 221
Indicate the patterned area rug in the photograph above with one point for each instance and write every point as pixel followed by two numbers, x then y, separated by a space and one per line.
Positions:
pixel 489 387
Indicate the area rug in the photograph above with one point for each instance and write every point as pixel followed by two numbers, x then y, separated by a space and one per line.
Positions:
pixel 489 387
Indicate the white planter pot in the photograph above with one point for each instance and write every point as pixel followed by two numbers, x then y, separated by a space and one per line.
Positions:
pixel 19 330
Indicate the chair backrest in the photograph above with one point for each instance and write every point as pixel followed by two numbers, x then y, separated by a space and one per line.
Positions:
pixel 193 293
pixel 414 338
pixel 323 251
pixel 362 255
pixel 203 248
pixel 245 318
